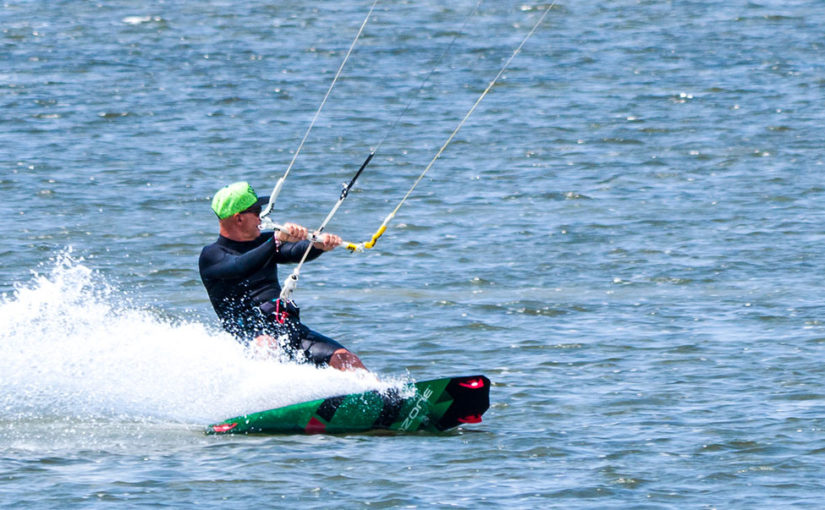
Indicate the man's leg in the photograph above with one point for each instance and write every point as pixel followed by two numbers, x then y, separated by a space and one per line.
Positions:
pixel 266 346
pixel 323 350
pixel 344 360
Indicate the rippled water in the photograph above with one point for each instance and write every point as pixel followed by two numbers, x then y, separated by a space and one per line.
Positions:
pixel 626 237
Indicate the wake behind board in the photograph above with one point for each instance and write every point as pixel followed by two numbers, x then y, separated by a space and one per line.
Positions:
pixel 435 406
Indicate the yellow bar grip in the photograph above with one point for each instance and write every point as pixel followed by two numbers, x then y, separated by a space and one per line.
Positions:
pixel 375 237
pixel 351 247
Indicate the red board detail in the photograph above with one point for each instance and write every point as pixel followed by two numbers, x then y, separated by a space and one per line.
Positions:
pixel 473 384
pixel 314 426
pixel 224 427
pixel 470 418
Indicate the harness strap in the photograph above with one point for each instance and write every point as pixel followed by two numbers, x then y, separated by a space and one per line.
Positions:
pixel 274 308
pixel 280 316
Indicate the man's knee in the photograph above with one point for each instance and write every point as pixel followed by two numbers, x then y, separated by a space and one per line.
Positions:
pixel 265 346
pixel 342 359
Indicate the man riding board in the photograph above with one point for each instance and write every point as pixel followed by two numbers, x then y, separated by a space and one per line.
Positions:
pixel 240 273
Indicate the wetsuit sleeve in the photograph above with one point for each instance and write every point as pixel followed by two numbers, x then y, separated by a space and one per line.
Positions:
pixel 292 252
pixel 219 264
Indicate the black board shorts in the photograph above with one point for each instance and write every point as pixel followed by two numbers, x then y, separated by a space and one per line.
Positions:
pixel 317 348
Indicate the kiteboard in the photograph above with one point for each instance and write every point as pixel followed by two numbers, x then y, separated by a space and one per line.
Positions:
pixel 433 406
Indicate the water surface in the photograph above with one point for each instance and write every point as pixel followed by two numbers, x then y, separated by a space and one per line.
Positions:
pixel 625 237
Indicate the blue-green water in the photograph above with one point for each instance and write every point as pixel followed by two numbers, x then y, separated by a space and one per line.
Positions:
pixel 626 237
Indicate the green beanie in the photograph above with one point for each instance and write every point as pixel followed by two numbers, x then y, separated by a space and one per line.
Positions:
pixel 232 199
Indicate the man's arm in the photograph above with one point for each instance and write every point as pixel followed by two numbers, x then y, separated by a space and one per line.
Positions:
pixel 294 243
pixel 292 252
pixel 217 263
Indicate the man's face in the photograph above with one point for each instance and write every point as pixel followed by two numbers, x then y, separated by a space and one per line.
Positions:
pixel 250 222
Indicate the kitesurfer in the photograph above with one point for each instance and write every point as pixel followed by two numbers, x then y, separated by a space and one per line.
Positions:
pixel 240 273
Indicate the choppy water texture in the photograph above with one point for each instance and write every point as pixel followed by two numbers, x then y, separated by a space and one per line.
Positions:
pixel 626 237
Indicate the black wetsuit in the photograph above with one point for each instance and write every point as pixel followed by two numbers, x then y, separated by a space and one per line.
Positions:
pixel 241 278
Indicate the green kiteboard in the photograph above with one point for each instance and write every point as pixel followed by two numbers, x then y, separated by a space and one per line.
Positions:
pixel 434 406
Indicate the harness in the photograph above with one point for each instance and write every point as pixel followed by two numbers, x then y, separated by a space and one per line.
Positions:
pixel 280 311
